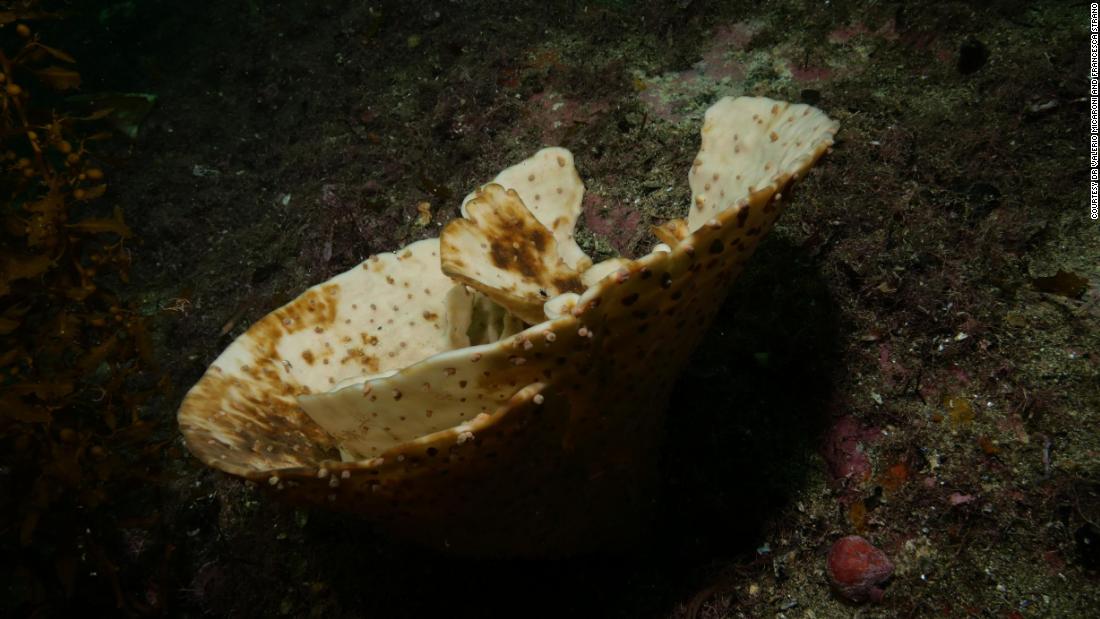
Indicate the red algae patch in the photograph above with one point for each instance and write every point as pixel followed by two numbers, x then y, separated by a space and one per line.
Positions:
pixel 857 569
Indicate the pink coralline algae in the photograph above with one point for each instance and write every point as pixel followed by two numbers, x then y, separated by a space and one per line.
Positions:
pixel 887 31
pixel 809 73
pixel 843 450
pixel 554 115
pixel 719 64
pixel 957 498
pixel 857 569
pixel 618 223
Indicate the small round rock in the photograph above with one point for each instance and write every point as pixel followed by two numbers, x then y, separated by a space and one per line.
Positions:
pixel 857 569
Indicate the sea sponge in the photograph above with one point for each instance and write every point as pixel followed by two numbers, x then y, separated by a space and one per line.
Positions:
pixel 541 442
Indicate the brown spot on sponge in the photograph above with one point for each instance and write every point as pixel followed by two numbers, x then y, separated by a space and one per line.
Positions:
pixel 551 176
pixel 518 264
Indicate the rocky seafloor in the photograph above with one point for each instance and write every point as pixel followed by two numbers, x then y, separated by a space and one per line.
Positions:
pixel 901 360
